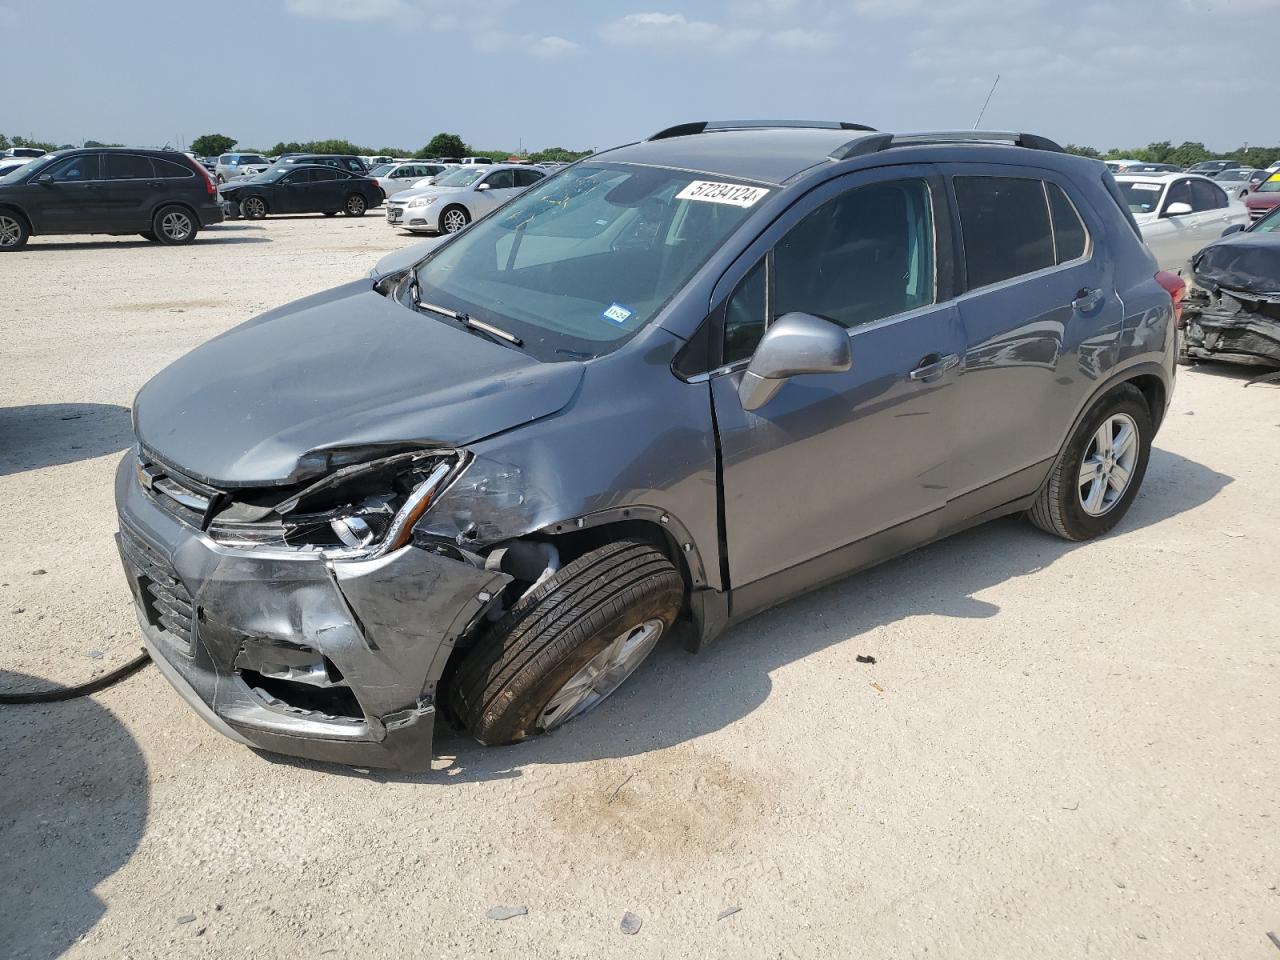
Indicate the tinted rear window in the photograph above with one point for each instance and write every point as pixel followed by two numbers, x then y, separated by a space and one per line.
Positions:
pixel 1069 234
pixel 171 170
pixel 1005 223
pixel 126 166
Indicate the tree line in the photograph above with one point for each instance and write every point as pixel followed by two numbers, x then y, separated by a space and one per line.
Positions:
pixel 1183 155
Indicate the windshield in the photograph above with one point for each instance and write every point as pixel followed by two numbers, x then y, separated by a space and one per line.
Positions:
pixel 462 178
pixel 1141 196
pixel 268 176
pixel 1233 175
pixel 1270 185
pixel 584 259
pixel 381 170
pixel 1268 224
pixel 31 166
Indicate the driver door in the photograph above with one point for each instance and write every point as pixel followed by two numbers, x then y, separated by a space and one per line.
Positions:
pixel 499 187
pixel 293 192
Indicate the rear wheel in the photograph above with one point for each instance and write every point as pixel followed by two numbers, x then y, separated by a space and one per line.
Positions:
pixel 569 644
pixel 253 208
pixel 1100 470
pixel 454 219
pixel 13 231
pixel 355 206
pixel 174 226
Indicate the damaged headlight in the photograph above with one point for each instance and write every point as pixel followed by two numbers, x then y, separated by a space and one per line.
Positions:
pixel 357 512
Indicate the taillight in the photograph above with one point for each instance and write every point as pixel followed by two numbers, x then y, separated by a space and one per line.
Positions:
pixel 210 187
pixel 1177 290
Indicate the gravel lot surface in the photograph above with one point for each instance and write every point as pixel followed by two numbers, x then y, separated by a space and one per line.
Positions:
pixel 1062 751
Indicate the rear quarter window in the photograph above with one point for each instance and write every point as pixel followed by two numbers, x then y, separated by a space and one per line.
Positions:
pixel 169 170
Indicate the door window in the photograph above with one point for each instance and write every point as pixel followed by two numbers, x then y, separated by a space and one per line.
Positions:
pixel 1207 196
pixel 352 164
pixel 126 166
pixel 225 159
pixel 1180 192
pixel 170 170
pixel 325 176
pixel 297 177
pixel 502 180
pixel 77 169
pixel 866 255
pixel 527 178
pixel 744 317
pixel 1006 229
pixel 1069 235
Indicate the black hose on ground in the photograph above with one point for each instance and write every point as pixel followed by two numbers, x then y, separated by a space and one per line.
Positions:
pixel 82 690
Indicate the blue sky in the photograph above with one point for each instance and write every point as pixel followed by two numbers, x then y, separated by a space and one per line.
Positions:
pixel 593 74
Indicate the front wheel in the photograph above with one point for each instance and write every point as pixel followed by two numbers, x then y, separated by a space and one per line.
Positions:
pixel 13 232
pixel 1100 470
pixel 569 644
pixel 454 219
pixel 253 208
pixel 174 226
pixel 355 206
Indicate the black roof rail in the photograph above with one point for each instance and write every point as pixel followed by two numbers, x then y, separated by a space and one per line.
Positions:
pixel 884 141
pixel 707 126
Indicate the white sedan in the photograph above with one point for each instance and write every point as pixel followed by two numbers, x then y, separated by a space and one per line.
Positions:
pixel 1179 213
pixel 397 176
pixel 460 197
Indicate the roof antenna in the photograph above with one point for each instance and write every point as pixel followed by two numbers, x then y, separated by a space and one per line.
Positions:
pixel 985 102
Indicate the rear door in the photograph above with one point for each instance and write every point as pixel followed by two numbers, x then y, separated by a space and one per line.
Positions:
pixel 834 458
pixel 72 200
pixel 128 192
pixel 329 188
pixel 1040 315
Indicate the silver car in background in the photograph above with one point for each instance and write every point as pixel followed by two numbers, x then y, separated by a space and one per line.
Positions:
pixel 1239 181
pixel 401 175
pixel 1178 213
pixel 233 166
pixel 456 200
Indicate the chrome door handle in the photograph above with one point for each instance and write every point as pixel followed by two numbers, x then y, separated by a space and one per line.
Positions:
pixel 1086 300
pixel 933 366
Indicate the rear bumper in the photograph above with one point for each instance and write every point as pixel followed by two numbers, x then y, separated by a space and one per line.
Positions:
pixel 210 213
pixel 331 661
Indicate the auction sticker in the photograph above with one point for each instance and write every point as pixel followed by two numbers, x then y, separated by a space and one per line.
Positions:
pixel 1147 186
pixel 734 194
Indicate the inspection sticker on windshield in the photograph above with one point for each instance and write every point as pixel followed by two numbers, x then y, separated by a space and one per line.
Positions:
pixel 734 194
pixel 617 313
pixel 1146 186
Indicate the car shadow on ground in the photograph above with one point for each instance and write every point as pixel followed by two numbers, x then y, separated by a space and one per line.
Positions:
pixel 73 800
pixel 49 434
pixel 677 697
pixel 37 245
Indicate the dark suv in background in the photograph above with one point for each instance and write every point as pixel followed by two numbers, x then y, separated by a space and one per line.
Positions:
pixel 163 195
pixel 670 386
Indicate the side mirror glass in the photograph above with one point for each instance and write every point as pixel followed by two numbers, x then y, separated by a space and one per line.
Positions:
pixel 44 179
pixel 1234 228
pixel 795 344
pixel 1177 210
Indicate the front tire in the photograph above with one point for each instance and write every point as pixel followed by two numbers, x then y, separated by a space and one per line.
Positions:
pixel 454 219
pixel 568 644
pixel 13 232
pixel 174 226
pixel 253 208
pixel 355 206
pixel 1100 470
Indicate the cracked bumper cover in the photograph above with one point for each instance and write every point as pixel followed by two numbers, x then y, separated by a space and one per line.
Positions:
pixel 385 627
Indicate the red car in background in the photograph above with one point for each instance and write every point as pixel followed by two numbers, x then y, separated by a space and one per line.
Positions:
pixel 1264 199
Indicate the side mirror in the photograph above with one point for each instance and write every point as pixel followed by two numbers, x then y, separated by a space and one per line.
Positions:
pixel 796 343
pixel 1234 228
pixel 1177 210
pixel 45 179
pixel 485 186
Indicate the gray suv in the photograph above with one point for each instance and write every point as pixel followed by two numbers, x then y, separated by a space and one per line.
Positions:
pixel 668 387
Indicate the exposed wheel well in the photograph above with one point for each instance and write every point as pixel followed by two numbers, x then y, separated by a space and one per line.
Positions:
pixel 176 203
pixel 577 542
pixel 26 221
pixel 1153 391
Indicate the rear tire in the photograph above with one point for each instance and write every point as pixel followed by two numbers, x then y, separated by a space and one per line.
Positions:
pixel 174 226
pixel 13 231
pixel 608 607
pixel 1100 470
pixel 355 205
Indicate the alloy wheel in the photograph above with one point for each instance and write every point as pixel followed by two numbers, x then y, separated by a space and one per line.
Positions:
pixel 253 207
pixel 10 232
pixel 601 675
pixel 355 205
pixel 454 221
pixel 1107 468
pixel 176 225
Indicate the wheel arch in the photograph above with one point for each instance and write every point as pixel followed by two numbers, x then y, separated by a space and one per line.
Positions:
pixel 156 208
pixel 15 209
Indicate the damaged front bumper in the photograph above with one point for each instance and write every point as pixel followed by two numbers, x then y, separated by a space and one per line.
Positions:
pixel 1237 326
pixel 330 660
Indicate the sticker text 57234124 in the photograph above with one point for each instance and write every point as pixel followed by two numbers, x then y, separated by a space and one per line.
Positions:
pixel 734 194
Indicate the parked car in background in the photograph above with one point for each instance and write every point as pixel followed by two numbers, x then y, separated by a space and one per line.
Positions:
pixel 161 195
pixel 1178 213
pixel 459 198
pixel 13 163
pixel 1264 199
pixel 233 166
pixel 28 152
pixel 675 385
pixel 1120 166
pixel 210 164
pixel 1153 168
pixel 339 161
pixel 1238 181
pixel 469 161
pixel 395 177
pixel 301 188
pixel 1211 167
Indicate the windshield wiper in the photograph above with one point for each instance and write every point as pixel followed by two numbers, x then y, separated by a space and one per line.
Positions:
pixel 468 321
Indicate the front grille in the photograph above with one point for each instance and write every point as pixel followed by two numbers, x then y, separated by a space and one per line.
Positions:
pixel 188 500
pixel 165 601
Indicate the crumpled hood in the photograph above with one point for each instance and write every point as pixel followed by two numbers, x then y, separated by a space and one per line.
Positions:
pixel 343 368
pixel 1242 261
